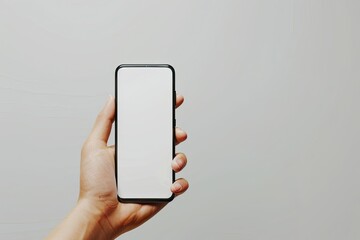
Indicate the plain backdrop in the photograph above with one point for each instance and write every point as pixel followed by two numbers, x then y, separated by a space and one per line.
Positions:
pixel 272 92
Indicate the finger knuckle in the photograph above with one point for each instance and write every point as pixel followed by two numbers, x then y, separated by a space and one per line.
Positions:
pixel 101 116
pixel 86 148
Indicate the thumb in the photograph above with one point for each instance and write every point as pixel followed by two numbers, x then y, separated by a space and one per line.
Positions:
pixel 102 127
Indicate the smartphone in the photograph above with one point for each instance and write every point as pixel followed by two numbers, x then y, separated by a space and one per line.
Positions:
pixel 144 132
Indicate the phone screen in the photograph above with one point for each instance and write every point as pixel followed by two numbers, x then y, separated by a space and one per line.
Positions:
pixel 144 131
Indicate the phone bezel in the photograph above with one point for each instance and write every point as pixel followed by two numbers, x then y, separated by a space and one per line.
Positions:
pixel 145 200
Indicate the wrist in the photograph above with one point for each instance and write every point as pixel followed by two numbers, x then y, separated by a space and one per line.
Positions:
pixel 94 220
pixel 85 221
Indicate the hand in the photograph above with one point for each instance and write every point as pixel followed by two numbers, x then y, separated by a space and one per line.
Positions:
pixel 103 216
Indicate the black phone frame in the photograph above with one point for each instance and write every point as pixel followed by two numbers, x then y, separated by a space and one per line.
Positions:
pixel 145 200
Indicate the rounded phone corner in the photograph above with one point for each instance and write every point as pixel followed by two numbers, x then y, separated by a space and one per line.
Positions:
pixel 119 67
pixel 170 67
pixel 171 197
pixel 123 200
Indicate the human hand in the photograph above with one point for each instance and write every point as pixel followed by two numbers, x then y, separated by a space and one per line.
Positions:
pixel 103 216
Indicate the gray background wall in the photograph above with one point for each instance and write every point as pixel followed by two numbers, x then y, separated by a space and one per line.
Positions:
pixel 272 111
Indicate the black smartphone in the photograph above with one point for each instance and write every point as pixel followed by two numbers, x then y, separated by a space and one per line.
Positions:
pixel 144 132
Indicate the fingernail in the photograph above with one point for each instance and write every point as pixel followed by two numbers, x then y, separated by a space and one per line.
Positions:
pixel 178 162
pixel 176 187
pixel 181 131
pixel 176 165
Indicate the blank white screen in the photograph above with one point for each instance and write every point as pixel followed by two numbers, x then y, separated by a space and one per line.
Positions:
pixel 144 132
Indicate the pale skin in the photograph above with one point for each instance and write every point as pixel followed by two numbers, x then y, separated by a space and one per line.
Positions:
pixel 98 214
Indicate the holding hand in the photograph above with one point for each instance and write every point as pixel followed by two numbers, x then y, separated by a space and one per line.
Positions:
pixel 98 213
